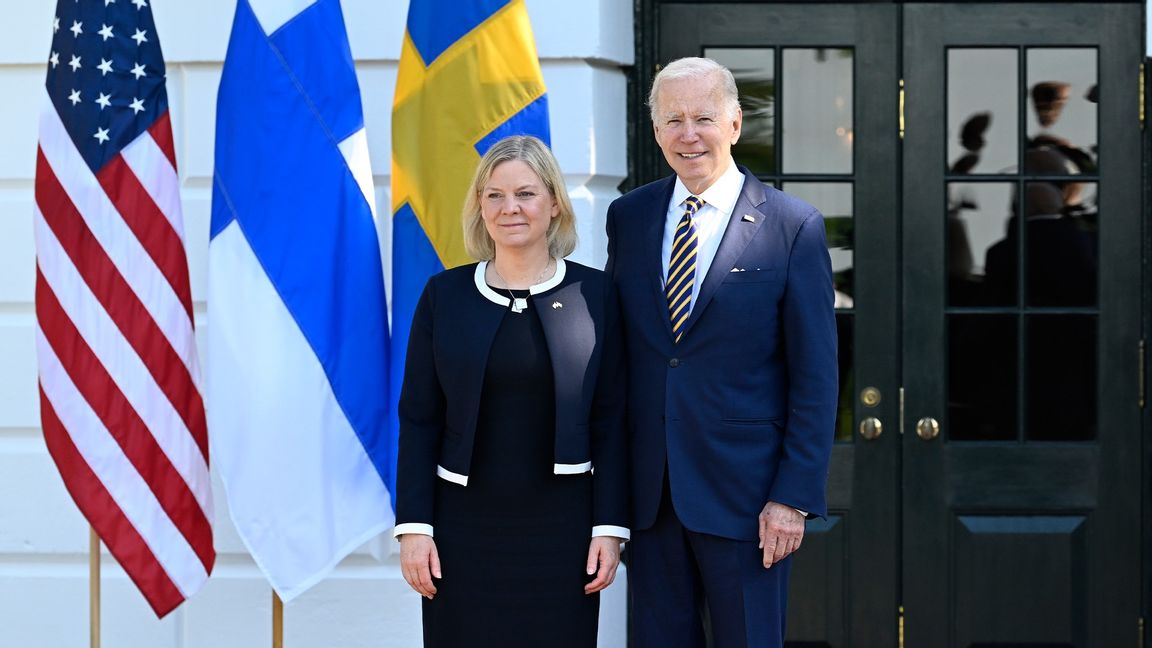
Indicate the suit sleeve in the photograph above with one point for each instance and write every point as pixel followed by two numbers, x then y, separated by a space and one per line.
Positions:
pixel 610 496
pixel 422 412
pixel 809 327
pixel 610 230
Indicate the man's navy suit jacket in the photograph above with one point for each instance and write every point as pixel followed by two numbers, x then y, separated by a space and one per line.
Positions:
pixel 742 409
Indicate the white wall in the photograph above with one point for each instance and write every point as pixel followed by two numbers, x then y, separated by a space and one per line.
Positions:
pixel 43 539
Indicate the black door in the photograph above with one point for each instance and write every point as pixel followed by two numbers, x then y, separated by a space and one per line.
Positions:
pixel 818 86
pixel 985 486
pixel 1021 276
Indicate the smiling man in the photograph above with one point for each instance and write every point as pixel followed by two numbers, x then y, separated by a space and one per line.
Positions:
pixel 726 289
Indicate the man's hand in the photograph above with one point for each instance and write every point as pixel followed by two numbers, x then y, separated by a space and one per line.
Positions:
pixel 419 562
pixel 781 530
pixel 603 558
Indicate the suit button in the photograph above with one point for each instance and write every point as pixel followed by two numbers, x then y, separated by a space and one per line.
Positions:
pixel 674 362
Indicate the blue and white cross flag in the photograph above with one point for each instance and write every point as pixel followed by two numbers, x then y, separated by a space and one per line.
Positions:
pixel 297 328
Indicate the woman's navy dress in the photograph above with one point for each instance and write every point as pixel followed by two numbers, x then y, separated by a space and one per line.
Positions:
pixel 513 544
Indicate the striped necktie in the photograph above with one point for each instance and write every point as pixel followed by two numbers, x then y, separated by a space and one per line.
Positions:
pixel 682 268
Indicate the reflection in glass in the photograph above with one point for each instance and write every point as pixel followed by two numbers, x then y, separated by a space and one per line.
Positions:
pixel 834 200
pixel 1061 243
pixel 982 355
pixel 755 73
pixel 846 401
pixel 981 244
pixel 1061 377
pixel 1062 111
pixel 816 93
pixel 982 111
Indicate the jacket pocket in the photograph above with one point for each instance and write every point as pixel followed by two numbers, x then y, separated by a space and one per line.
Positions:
pixel 752 275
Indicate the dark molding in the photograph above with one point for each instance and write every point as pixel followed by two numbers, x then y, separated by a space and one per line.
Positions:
pixel 641 146
pixel 1146 225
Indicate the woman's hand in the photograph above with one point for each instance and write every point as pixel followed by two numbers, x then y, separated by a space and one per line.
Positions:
pixel 603 559
pixel 419 562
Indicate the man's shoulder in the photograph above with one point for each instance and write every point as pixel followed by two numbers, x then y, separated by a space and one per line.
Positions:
pixel 785 204
pixel 644 195
pixel 792 204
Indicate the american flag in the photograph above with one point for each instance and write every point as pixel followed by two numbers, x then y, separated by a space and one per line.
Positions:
pixel 120 403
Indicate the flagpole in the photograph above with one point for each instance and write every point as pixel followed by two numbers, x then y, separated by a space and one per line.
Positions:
pixel 277 621
pixel 93 588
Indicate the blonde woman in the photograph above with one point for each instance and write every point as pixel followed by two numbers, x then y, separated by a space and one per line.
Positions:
pixel 513 393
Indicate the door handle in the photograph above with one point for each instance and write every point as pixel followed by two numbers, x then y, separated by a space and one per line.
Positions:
pixel 871 428
pixel 927 428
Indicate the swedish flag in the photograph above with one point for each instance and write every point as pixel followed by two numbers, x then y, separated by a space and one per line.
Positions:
pixel 468 76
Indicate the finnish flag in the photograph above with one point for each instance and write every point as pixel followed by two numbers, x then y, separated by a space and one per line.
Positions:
pixel 297 360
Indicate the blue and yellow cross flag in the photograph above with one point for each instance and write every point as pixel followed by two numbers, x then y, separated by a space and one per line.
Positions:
pixel 469 76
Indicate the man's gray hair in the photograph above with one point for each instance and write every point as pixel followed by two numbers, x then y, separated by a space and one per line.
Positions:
pixel 694 66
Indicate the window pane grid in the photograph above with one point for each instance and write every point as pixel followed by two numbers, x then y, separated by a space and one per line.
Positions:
pixel 1043 277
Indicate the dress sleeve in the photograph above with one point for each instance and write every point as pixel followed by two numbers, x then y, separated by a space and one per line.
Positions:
pixel 422 415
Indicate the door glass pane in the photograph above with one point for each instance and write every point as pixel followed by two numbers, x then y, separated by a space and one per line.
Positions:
pixel 983 110
pixel 846 400
pixel 1061 243
pixel 834 200
pixel 816 94
pixel 982 356
pixel 1061 377
pixel 1061 112
pixel 982 245
pixel 755 72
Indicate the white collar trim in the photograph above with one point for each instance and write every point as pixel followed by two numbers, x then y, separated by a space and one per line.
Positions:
pixel 503 300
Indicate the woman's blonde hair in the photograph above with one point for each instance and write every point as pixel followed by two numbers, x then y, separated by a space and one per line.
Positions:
pixel 536 154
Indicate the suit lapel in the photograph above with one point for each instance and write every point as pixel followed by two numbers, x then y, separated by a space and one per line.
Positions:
pixel 737 235
pixel 653 240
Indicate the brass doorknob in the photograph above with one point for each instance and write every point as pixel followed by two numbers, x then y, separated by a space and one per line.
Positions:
pixel 927 428
pixel 871 428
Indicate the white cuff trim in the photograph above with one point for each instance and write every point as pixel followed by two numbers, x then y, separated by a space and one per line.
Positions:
pixel 448 475
pixel 571 469
pixel 412 527
pixel 613 531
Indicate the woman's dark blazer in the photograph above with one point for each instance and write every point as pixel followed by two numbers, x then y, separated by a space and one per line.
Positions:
pixel 452 333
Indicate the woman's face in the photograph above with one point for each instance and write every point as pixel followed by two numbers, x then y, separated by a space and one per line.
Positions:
pixel 517 208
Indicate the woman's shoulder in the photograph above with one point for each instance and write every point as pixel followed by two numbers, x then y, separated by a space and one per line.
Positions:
pixel 587 277
pixel 578 271
pixel 453 277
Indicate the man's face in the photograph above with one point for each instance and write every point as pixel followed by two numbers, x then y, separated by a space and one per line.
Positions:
pixel 694 130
